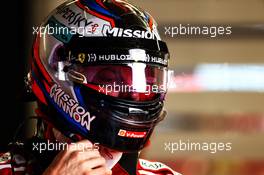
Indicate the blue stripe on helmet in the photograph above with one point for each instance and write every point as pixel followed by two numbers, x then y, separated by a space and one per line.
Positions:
pixel 96 7
pixel 79 96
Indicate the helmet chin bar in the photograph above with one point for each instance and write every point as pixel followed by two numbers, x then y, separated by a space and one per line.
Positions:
pixel 120 124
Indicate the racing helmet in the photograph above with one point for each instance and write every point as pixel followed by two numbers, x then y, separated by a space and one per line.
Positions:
pixel 99 70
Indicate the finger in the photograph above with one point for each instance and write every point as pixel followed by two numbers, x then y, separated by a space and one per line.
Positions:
pixel 100 171
pixel 58 161
pixel 80 146
pixel 93 163
pixel 77 159
pixel 71 152
pixel 67 149
pixel 80 156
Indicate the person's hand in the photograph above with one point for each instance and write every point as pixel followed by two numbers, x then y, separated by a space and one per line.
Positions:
pixel 72 161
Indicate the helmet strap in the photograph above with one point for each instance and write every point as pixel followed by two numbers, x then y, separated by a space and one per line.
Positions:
pixel 129 162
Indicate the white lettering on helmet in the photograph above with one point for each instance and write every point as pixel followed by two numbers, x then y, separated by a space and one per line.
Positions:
pixel 71 107
pixel 120 32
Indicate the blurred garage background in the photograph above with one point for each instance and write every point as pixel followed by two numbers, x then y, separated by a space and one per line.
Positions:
pixel 216 93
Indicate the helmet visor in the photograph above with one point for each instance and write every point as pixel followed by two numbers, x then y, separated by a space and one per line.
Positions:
pixel 133 81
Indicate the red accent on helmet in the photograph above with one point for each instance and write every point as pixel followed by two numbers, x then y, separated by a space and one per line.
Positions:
pixel 101 4
pixel 151 22
pixel 38 61
pixel 79 4
pixel 38 92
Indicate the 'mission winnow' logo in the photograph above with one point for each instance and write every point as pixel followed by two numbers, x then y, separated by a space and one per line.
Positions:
pixel 71 107
pixel 120 32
